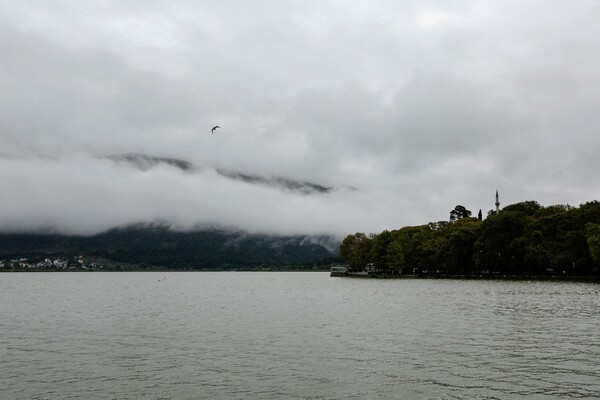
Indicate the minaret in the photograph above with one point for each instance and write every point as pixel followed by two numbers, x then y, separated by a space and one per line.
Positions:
pixel 497 202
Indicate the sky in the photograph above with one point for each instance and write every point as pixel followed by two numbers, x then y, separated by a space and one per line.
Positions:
pixel 405 109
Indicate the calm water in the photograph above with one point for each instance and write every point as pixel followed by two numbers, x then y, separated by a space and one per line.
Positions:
pixel 294 336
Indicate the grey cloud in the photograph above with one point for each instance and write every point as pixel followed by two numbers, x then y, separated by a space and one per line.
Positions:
pixel 419 105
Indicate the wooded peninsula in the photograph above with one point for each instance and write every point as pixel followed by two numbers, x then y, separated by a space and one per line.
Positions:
pixel 523 239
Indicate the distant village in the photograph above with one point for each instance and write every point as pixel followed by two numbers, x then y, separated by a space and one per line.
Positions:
pixel 50 264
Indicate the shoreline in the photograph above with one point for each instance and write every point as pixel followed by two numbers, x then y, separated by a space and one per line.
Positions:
pixel 591 278
pixel 160 270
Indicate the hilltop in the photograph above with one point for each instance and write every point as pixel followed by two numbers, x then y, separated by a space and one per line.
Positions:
pixel 160 246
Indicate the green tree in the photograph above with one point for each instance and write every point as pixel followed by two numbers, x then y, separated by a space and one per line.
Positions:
pixel 526 207
pixel 564 241
pixel 395 257
pixel 593 240
pixel 355 250
pixel 420 245
pixel 537 254
pixel 492 248
pixel 455 255
pixel 459 212
pixel 379 249
pixel 589 212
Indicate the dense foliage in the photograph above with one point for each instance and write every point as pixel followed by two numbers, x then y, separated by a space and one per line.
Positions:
pixel 523 239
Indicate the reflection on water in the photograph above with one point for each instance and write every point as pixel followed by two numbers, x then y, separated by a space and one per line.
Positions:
pixel 294 336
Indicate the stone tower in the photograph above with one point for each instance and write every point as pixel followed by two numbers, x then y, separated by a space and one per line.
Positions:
pixel 497 202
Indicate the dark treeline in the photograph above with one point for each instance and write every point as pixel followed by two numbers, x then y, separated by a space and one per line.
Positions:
pixel 522 239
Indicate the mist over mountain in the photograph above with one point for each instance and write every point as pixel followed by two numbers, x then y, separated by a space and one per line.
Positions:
pixel 279 182
pixel 159 245
pixel 87 194
pixel 175 242
pixel 145 162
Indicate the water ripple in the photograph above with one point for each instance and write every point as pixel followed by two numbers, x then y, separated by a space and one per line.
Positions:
pixel 294 336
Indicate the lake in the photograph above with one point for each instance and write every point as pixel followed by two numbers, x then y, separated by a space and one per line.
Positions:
pixel 245 335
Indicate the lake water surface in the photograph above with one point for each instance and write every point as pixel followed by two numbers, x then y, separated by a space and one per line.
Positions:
pixel 236 335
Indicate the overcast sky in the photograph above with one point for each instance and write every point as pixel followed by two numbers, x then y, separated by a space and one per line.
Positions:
pixel 419 105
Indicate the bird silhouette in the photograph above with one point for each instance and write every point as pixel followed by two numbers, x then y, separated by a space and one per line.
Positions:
pixel 214 127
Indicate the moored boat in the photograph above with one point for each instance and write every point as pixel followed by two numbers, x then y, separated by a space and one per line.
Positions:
pixel 339 270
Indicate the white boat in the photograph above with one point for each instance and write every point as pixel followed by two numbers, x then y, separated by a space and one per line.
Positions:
pixel 338 270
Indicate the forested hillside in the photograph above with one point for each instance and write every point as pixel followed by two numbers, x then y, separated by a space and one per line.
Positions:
pixel 159 246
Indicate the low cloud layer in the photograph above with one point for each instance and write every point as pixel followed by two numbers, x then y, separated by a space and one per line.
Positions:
pixel 419 106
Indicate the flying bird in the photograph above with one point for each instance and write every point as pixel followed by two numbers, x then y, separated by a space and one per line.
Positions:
pixel 213 129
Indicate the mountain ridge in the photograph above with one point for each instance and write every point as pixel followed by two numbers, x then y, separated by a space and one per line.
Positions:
pixel 161 246
pixel 145 162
